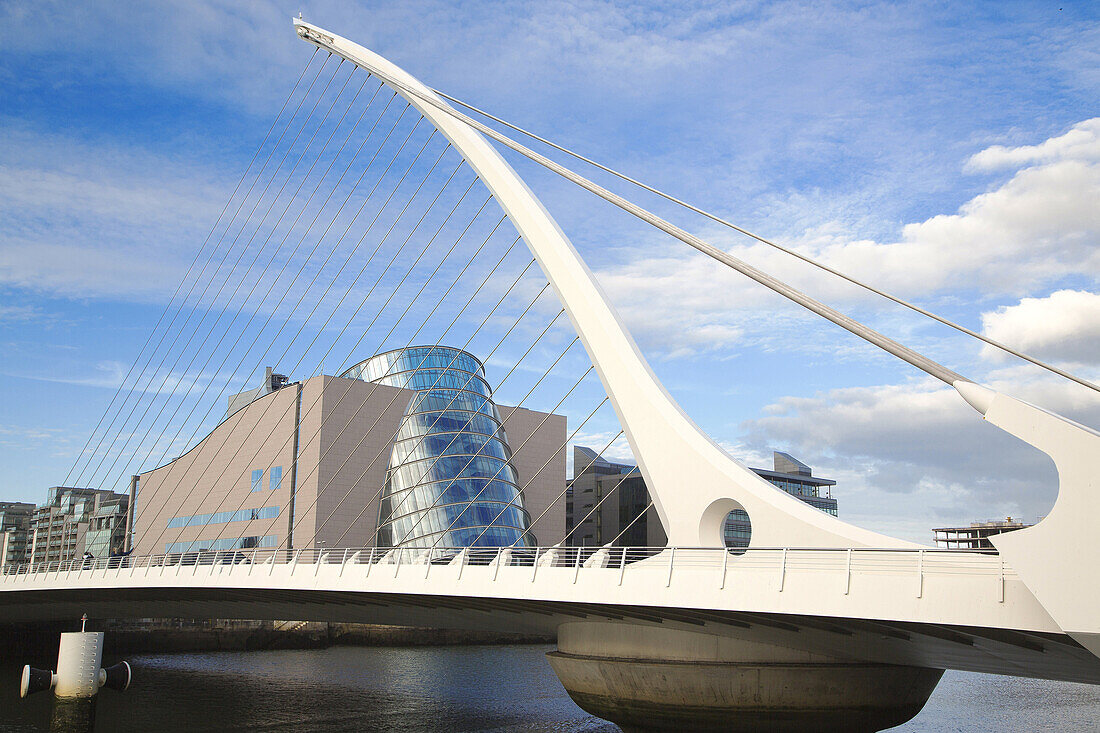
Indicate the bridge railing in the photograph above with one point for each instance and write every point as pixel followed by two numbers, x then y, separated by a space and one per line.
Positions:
pixel 662 562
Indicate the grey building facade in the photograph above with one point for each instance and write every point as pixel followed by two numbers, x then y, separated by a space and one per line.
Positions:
pixel 15 531
pixel 605 501
pixel 306 464
pixel 61 526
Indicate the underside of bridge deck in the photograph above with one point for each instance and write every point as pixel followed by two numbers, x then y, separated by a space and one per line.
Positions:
pixel 995 651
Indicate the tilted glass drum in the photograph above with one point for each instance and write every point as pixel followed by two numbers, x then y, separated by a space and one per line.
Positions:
pixel 450 482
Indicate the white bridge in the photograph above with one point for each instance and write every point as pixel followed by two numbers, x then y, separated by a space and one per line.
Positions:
pixel 868 621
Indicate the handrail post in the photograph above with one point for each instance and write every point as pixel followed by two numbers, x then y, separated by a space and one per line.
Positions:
pixel 920 573
pixel 535 565
pixel 725 561
pixel 622 566
pixel 370 561
pixel 848 576
pixel 577 566
pixel 671 561
pixel 397 565
pixel 783 571
pixel 1002 559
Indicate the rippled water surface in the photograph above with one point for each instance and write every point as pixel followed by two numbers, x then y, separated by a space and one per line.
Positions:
pixel 455 689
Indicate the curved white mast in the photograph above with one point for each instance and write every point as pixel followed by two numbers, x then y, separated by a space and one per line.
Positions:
pixel 694 483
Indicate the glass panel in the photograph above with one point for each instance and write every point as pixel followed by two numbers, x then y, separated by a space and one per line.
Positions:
pixel 229 543
pixel 241 515
pixel 450 464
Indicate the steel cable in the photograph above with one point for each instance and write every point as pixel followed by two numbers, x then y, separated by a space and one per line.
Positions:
pixel 259 175
pixel 187 274
pixel 393 259
pixel 229 273
pixel 245 300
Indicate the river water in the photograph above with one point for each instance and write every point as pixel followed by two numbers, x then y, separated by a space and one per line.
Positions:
pixel 454 690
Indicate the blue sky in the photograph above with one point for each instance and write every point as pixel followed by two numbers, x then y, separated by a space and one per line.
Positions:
pixel 950 154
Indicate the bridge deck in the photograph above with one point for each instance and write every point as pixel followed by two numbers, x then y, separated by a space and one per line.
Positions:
pixel 928 608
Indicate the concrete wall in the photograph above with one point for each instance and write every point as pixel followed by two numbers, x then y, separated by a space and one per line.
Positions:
pixel 354 471
pixel 543 488
pixel 345 430
pixel 216 476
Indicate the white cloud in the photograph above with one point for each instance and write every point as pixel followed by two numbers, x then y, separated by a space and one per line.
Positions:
pixel 10 314
pixel 1038 227
pixel 92 218
pixel 1063 326
pixel 915 455
pixel 1082 142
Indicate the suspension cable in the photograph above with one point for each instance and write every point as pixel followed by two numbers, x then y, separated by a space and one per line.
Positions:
pixel 187 274
pixel 244 301
pixel 351 254
pixel 199 277
pixel 771 243
pixel 849 324
pixel 273 311
pixel 164 381
pixel 375 385
pixel 391 262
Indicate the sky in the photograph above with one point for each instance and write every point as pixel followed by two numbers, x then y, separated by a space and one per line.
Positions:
pixel 948 154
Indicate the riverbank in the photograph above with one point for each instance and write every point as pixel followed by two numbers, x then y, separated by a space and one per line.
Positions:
pixel 188 636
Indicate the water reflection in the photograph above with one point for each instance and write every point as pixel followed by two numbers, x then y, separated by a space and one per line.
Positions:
pixel 454 689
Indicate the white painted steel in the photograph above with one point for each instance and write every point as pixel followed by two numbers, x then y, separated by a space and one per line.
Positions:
pixel 1057 558
pixel 682 466
pixel 685 469
pixel 880 583
pixel 79 658
pixel 972 613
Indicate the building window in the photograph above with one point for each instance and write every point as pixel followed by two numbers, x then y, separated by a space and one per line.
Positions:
pixel 258 479
pixel 241 515
pixel 737 529
pixel 237 543
pixel 275 478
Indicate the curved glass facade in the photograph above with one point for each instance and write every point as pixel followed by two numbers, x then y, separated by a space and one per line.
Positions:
pixel 450 481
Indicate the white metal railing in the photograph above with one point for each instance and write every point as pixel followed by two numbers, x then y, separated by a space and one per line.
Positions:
pixel 920 563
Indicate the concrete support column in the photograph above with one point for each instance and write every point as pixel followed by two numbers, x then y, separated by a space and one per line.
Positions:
pixel 650 678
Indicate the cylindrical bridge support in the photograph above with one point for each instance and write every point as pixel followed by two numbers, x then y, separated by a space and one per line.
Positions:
pixel 77 680
pixel 648 678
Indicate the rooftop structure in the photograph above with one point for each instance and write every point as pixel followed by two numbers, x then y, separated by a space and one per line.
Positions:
pixel 976 536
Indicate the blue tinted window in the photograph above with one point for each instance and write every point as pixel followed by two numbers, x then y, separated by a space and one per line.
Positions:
pixel 241 515
pixel 229 543
pixel 258 479
pixel 275 478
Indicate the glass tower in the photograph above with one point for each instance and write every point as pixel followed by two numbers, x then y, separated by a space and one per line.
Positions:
pixel 450 481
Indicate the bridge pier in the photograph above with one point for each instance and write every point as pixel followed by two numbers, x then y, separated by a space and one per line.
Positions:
pixel 651 678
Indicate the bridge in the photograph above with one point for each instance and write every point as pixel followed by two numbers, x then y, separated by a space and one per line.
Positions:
pixel 693 633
